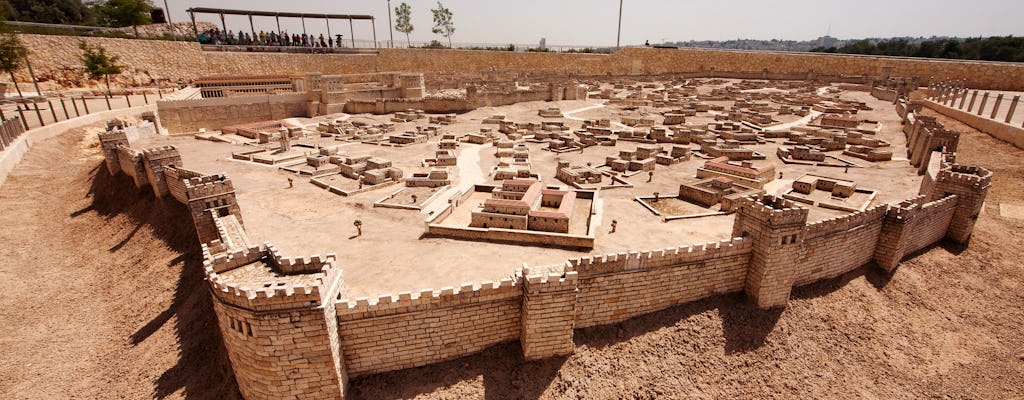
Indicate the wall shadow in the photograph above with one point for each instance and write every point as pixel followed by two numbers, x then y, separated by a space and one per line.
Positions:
pixel 500 368
pixel 203 370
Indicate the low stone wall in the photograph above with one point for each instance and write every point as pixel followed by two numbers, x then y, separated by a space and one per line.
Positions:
pixel 12 155
pixel 1000 130
pixel 185 116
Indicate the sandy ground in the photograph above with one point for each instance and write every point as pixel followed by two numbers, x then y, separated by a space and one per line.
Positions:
pixel 104 299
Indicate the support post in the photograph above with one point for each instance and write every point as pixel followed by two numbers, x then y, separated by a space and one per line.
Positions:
pixel 145 98
pixel 65 108
pixel 1013 107
pixel 352 33
pixel 24 122
pixel 963 99
pixel 253 29
pixel 984 99
pixel 128 99
pixel 86 105
pixel 75 105
pixel 53 111
pixel 373 27
pixel 995 107
pixel 195 30
pixel 223 25
pixel 38 113
pixel 974 96
pixel 618 37
pixel 391 28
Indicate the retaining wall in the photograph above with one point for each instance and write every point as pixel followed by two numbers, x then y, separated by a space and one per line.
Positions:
pixel 1000 130
pixel 54 56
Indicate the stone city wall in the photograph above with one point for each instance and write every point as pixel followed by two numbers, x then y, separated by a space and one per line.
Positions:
pixel 306 341
pixel 55 58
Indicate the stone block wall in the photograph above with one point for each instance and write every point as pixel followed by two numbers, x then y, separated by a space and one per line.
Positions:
pixel 183 116
pixel 54 57
pixel 549 302
pixel 835 246
pixel 414 329
pixel 616 287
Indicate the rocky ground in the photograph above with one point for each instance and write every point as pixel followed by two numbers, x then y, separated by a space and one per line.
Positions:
pixel 104 298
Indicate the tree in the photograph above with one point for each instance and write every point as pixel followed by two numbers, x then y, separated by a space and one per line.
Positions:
pixel 443 22
pixel 403 14
pixel 98 63
pixel 12 53
pixel 48 11
pixel 119 13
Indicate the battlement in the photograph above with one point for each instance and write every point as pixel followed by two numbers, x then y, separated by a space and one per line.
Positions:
pixel 159 153
pixel 111 139
pixel 594 265
pixel 245 278
pixel 905 210
pixel 301 265
pixel 772 209
pixel 966 175
pixel 946 202
pixel 208 186
pixel 837 224
pixel 427 299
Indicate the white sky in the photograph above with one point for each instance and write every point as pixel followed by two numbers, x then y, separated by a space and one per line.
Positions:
pixel 594 22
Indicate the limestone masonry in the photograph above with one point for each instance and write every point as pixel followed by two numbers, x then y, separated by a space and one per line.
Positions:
pixel 291 331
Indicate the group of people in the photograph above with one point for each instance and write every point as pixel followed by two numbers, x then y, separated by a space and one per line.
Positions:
pixel 216 36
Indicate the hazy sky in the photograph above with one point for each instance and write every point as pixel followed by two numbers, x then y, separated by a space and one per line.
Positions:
pixel 594 22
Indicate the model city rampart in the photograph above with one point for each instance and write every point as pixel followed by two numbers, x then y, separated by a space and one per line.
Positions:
pixel 291 331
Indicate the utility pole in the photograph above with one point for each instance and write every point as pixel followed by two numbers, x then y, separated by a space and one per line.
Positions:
pixel 391 29
pixel 618 38
pixel 167 14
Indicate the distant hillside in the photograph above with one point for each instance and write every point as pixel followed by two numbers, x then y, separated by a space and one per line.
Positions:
pixel 996 48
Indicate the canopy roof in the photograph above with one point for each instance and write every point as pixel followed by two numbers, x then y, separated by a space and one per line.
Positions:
pixel 207 10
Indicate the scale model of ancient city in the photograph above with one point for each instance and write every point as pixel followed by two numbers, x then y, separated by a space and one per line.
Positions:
pixel 361 213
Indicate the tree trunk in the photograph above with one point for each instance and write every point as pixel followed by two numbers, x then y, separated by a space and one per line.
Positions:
pixel 136 29
pixel 407 42
pixel 15 83
pixel 449 42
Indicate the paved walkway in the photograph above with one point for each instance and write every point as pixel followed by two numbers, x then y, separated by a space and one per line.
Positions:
pixel 469 174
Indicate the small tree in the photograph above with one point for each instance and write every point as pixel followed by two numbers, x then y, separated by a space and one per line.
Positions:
pixel 120 13
pixel 403 23
pixel 359 227
pixel 12 53
pixel 98 63
pixel 443 24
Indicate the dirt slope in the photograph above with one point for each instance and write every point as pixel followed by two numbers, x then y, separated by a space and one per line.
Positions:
pixel 103 293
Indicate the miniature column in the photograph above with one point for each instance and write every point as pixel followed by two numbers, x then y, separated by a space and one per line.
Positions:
pixel 995 107
pixel 1013 107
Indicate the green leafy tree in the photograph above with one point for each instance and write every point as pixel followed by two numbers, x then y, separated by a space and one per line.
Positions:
pixel 119 13
pixel 48 11
pixel 403 21
pixel 98 63
pixel 12 53
pixel 443 24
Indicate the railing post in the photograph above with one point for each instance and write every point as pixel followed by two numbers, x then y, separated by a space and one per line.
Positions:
pixel 38 113
pixel 75 105
pixel 129 99
pixel 995 107
pixel 963 99
pixel 145 99
pixel 86 105
pixel 53 111
pixel 973 97
pixel 1013 107
pixel 24 122
pixel 64 107
pixel 984 99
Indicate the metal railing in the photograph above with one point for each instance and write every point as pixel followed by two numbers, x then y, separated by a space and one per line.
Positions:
pixel 10 130
pixel 955 94
pixel 35 112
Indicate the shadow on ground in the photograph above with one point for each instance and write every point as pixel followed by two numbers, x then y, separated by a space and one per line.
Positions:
pixel 202 370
